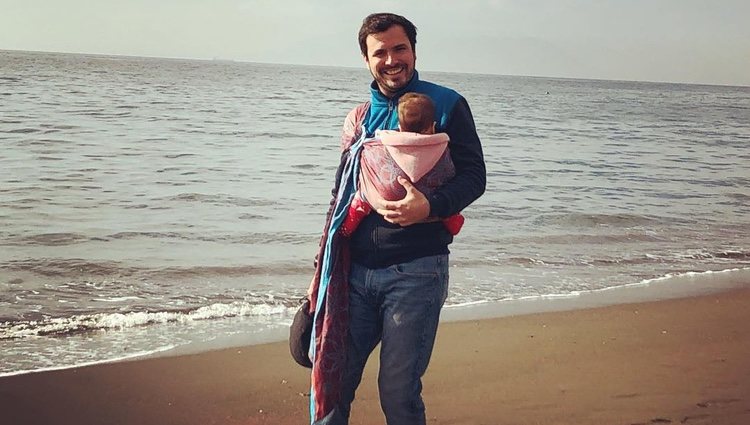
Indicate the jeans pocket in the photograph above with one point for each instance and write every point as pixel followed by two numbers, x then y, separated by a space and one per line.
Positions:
pixel 426 278
pixel 436 265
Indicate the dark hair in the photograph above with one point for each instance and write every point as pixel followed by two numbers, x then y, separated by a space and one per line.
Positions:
pixel 380 22
pixel 416 113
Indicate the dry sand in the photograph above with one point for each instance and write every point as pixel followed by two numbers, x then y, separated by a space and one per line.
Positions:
pixel 682 361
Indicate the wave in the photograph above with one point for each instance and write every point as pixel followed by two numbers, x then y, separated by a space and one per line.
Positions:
pixel 65 239
pixel 244 238
pixel 594 220
pixel 24 130
pixel 178 155
pixel 220 199
pixel 720 256
pixel 48 239
pixel 66 326
pixel 581 238
pixel 65 267
pixel 77 267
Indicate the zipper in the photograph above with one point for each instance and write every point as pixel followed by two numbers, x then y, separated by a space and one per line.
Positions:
pixel 386 122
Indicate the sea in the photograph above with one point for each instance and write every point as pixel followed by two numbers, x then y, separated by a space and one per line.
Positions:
pixel 153 205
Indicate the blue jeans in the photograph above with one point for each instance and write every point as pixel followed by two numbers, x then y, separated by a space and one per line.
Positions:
pixel 399 307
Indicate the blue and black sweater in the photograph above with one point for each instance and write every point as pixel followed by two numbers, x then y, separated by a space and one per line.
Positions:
pixel 377 243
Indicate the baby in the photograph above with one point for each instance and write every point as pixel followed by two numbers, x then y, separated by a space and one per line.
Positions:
pixel 415 152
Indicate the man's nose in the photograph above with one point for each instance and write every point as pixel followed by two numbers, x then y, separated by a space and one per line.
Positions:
pixel 389 59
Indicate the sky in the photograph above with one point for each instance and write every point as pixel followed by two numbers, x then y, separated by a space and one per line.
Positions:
pixel 687 41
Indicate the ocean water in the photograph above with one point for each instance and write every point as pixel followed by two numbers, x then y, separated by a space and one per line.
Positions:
pixel 148 204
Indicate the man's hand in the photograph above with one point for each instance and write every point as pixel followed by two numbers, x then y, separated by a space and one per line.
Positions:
pixel 412 209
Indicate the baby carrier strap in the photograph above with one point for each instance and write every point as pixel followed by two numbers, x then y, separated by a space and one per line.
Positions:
pixel 353 125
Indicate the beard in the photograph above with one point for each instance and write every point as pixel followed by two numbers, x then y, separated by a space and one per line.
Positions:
pixel 390 84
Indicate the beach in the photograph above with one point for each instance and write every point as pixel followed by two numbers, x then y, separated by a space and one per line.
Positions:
pixel 684 360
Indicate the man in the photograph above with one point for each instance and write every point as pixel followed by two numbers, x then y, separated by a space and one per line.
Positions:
pixel 398 279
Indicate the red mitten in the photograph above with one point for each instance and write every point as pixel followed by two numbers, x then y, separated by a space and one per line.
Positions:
pixel 358 210
pixel 454 223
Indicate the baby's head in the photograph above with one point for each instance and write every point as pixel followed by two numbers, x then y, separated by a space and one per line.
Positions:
pixel 416 113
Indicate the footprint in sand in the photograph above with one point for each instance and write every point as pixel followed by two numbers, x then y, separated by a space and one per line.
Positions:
pixel 717 402
pixel 630 395
pixel 693 418
pixel 655 421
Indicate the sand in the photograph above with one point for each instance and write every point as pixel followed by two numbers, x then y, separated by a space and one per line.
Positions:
pixel 680 361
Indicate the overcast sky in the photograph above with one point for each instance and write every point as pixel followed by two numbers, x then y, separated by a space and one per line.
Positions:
pixel 654 40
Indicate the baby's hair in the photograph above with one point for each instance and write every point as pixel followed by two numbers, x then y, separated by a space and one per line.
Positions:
pixel 416 113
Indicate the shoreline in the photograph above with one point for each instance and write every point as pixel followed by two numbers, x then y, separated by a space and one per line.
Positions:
pixel 661 288
pixel 681 285
pixel 681 360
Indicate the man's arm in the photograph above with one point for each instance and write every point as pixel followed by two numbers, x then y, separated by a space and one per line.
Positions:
pixel 468 158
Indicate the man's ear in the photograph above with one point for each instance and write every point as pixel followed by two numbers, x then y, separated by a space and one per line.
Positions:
pixel 367 61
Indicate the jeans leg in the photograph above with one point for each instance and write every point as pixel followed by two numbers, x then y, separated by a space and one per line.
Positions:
pixel 364 335
pixel 413 294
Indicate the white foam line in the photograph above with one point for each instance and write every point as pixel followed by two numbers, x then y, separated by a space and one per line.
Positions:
pixel 117 299
pixel 132 319
pixel 668 276
pixel 707 272
pixel 468 304
pixel 92 363
pixel 575 294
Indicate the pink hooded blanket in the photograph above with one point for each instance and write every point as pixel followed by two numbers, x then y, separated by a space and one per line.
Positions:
pixel 421 158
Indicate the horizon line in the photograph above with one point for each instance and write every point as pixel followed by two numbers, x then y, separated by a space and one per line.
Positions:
pixel 243 61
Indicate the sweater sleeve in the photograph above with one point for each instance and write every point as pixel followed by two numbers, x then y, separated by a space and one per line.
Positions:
pixel 468 158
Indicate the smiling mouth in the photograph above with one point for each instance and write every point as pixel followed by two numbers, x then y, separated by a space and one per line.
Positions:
pixel 393 71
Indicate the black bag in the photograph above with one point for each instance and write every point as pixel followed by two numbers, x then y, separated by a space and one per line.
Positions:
pixel 299 335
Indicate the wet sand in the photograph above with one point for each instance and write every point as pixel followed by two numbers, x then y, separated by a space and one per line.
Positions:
pixel 680 361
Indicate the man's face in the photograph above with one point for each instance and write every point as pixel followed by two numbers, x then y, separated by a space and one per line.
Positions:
pixel 390 59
